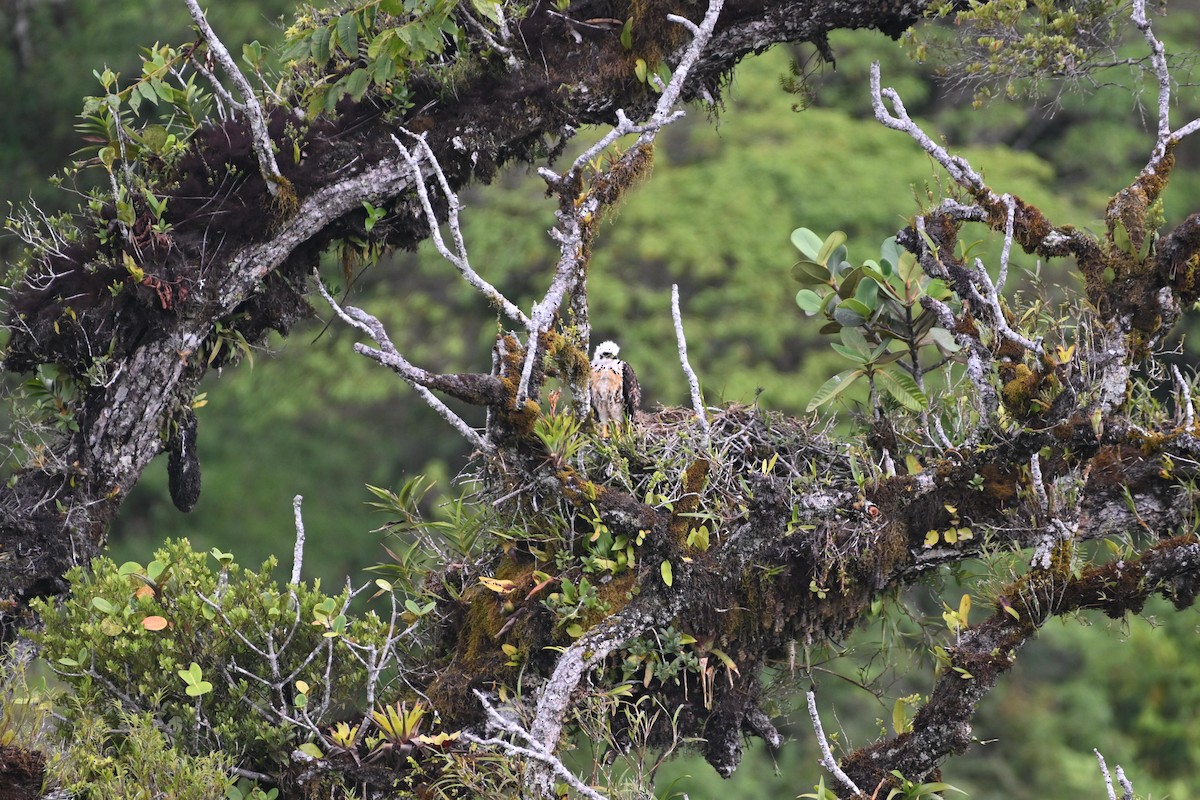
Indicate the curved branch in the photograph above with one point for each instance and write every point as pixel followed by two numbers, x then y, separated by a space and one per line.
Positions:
pixel 985 651
pixel 250 106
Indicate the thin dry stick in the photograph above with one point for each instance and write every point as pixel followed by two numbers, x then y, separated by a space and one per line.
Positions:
pixel 459 257
pixel 693 382
pixel 1108 784
pixel 250 105
pixel 1184 402
pixel 827 759
pixel 569 273
pixel 536 750
pixel 298 550
pixel 391 358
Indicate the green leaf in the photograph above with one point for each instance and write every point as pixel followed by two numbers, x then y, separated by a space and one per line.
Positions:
pixel 903 388
pixel 806 242
pixel 937 289
pixel 809 301
pixel 491 10
pixel 297 49
pixel 639 69
pixel 310 749
pixel 810 273
pixel 252 54
pixel 377 46
pixel 850 353
pixel 891 252
pixel 1121 237
pixel 318 46
pixel 900 716
pixel 103 606
pixel 850 282
pixel 668 575
pixel 830 247
pixel 347 34
pixel 154 137
pixel 867 292
pixel 851 313
pixel 833 387
pixel 854 339
pixel 356 83
pixel 944 340
pixel 627 34
pixel 907 268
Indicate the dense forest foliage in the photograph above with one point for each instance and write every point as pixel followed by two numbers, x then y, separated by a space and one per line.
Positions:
pixel 302 415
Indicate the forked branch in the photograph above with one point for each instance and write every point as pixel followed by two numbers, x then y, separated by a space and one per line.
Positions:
pixel 249 105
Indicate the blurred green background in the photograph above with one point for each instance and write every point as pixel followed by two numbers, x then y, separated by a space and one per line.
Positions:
pixel 312 418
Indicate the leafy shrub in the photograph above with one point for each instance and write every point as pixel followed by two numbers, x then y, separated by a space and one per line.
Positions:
pixel 99 764
pixel 221 657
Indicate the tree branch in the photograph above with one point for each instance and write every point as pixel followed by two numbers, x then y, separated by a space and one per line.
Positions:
pixel 250 106
pixel 693 381
pixel 421 380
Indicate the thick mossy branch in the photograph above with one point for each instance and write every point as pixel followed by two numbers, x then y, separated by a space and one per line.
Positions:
pixel 985 651
pixel 792 550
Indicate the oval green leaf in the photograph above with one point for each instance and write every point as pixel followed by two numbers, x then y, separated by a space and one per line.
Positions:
pixel 830 247
pixel 851 313
pixel 806 242
pixel 310 749
pixel 102 605
pixel 810 273
pixel 809 301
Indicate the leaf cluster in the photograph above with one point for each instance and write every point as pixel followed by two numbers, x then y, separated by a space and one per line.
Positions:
pixel 213 651
pixel 876 309
pixel 1015 48
pixel 373 45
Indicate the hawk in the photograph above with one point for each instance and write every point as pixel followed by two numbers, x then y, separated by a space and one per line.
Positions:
pixel 615 392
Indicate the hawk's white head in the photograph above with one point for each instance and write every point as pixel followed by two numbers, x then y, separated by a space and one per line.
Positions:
pixel 606 350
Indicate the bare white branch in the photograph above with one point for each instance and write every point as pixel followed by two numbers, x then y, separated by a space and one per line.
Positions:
pixel 979 370
pixel 1010 206
pixel 664 112
pixel 570 273
pixel 298 550
pixel 1126 784
pixel 249 105
pixel 1035 482
pixel 958 168
pixel 459 256
pixel 391 358
pixel 554 699
pixel 827 759
pixel 693 382
pixel 1158 59
pixel 1184 401
pixel 1108 784
pixel 535 750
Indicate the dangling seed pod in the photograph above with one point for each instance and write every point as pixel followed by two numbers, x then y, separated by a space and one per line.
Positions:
pixel 183 462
